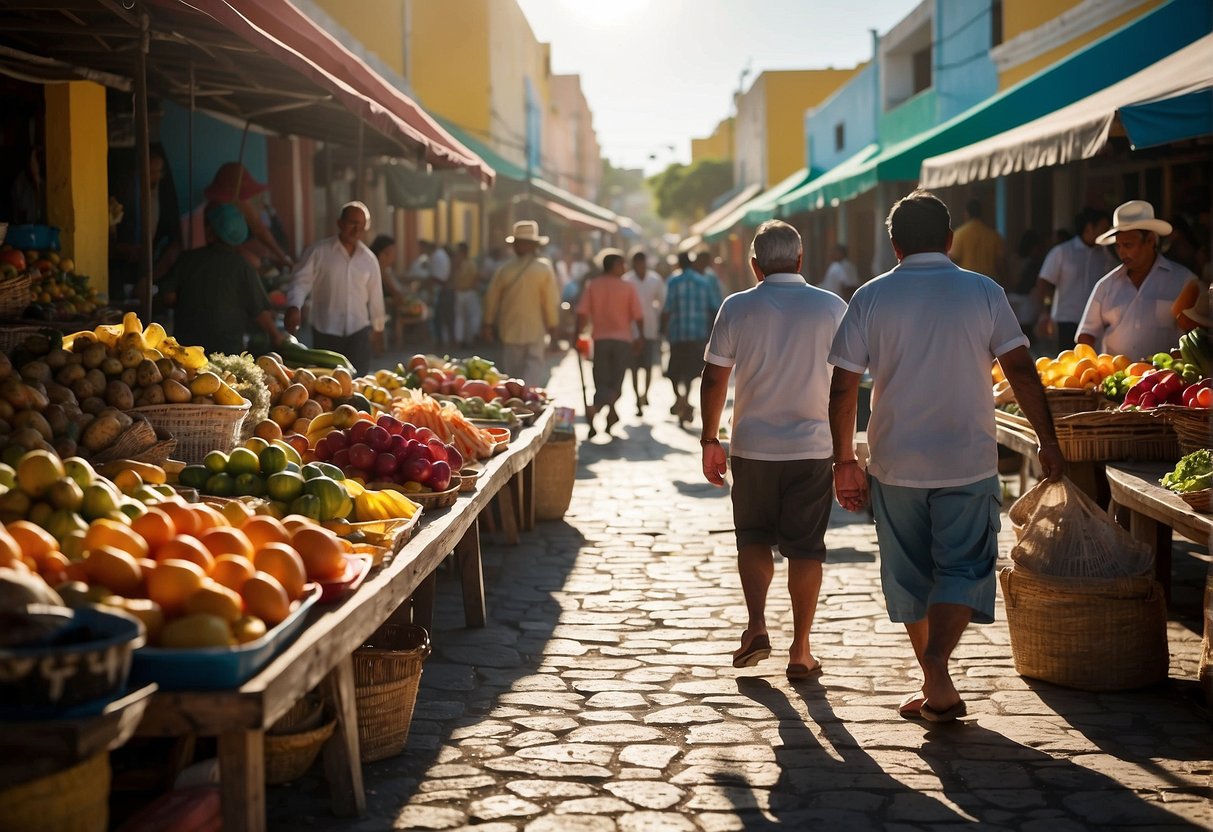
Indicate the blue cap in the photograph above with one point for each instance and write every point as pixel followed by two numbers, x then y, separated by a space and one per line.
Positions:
pixel 228 223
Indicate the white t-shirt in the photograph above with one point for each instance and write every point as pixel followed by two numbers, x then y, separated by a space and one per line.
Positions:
pixel 776 336
pixel 651 290
pixel 928 332
pixel 1136 322
pixel 1074 268
pixel 839 276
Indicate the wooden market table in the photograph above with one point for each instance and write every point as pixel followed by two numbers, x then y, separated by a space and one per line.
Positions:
pixel 1154 512
pixel 322 653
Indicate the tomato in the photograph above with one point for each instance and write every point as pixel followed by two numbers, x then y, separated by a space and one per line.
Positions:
pixel 1204 397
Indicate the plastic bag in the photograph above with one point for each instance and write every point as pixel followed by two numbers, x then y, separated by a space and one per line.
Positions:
pixel 1065 533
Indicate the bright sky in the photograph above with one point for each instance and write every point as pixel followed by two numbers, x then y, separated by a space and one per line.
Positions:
pixel 658 73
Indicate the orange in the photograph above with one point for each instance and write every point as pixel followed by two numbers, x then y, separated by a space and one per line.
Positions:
pixel 213 598
pixel 1139 368
pixel 186 547
pixel 33 540
pixel 265 598
pixel 321 551
pixel 1090 377
pixel 10 549
pixel 155 526
pixel 148 612
pixel 173 581
pixel 224 540
pixel 1121 362
pixel 284 563
pixel 182 516
pixel 248 628
pixel 208 516
pixel 53 568
pixel 264 529
pixel 1084 365
pixel 114 569
pixel 196 631
pixel 294 522
pixel 1085 351
pixel 232 571
pixel 106 532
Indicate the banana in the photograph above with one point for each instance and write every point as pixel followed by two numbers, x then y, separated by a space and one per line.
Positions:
pixel 324 420
pixel 225 395
pixel 154 335
pixel 292 455
pixel 149 473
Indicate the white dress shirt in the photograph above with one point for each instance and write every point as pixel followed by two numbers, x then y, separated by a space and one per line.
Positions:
pixel 1074 268
pixel 346 290
pixel 651 290
pixel 1132 321
pixel 841 275
pixel 440 265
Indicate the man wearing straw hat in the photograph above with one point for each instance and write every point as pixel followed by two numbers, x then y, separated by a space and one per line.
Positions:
pixel 522 305
pixel 1129 311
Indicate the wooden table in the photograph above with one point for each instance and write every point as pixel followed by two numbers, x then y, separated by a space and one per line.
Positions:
pixel 1088 476
pixel 322 654
pixel 1154 512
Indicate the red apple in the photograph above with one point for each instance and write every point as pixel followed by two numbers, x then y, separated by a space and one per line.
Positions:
pixel 323 450
pixel 14 258
pixel 389 423
pixel 454 458
pixel 440 476
pixel 378 439
pixel 297 441
pixel 407 430
pixel 417 469
pixel 399 445
pixel 341 459
pixel 357 431
pixel 362 456
pixel 385 466
pixel 338 439
pixel 423 434
pixel 437 449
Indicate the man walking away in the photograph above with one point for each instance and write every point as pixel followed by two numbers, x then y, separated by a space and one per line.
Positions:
pixel 611 307
pixel 521 303
pixel 777 336
pixel 651 290
pixel 690 307
pixel 842 278
pixel 928 332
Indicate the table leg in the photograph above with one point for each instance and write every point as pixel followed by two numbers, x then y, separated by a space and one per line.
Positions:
pixel 471 575
pixel 1157 536
pixel 423 601
pixel 509 513
pixel 342 758
pixel 528 496
pixel 242 780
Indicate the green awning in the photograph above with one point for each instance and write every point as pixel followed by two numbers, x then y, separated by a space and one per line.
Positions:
pixel 411 189
pixel 846 180
pixel 758 209
pixel 480 147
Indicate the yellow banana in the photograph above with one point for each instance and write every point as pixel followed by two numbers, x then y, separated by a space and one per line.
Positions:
pixel 132 324
pixel 324 420
pixel 225 395
pixel 154 335
pixel 149 473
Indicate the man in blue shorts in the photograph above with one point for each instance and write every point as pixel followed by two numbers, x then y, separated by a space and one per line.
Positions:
pixel 928 331
pixel 775 336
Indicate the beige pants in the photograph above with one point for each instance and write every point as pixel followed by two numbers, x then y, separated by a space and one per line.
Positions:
pixel 526 361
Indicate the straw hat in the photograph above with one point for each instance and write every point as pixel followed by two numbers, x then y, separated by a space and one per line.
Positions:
pixel 1199 312
pixel 229 177
pixel 1134 215
pixel 527 231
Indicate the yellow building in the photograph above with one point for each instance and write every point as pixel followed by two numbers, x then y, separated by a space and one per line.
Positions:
pixel 719 145
pixel 1038 33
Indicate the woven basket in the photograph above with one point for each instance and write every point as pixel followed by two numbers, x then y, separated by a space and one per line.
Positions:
pixel 13 335
pixel 439 499
pixel 1201 501
pixel 468 478
pixel 75 799
pixel 15 295
pixel 198 428
pixel 1087 633
pixel 289 756
pixel 1108 435
pixel 140 442
pixel 1192 425
pixel 387 673
pixel 555 472
pixel 1205 669
pixel 1065 402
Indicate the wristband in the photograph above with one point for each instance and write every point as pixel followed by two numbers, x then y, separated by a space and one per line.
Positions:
pixel 705 442
pixel 847 462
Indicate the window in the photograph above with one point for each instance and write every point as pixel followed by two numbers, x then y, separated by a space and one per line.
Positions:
pixel 995 22
pixel 922 69
pixel 840 136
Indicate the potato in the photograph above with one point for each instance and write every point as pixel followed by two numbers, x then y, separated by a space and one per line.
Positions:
pixel 56 417
pixel 56 359
pixel 130 377
pixel 119 395
pixel 37 344
pixel 202 400
pixel 175 392
pixel 205 384
pixel 294 396
pixel 6 410
pixel 93 355
pixel 274 388
pixel 179 375
pixel 153 395
pixel 345 380
pixel 111 366
pixel 70 373
pixel 166 367
pixel 6 366
pixel 28 438
pixel 98 380
pixel 326 404
pixel 65 447
pixel 124 419
pixel 58 394
pixel 92 404
pixel 131 357
pixel 147 373
pixel 15 393
pixel 32 419
pixel 301 425
pixel 328 386
pixel 100 433
pixel 310 409
pixel 36 371
pixel 82 388
pixel 283 415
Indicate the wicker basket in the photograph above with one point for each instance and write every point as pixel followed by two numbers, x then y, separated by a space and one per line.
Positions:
pixel 468 478
pixel 387 673
pixel 432 500
pixel 555 472
pixel 1192 425
pixel 140 442
pixel 15 295
pixel 75 799
pixel 1087 633
pixel 1108 435
pixel 289 756
pixel 1201 501
pixel 198 428
pixel 1065 402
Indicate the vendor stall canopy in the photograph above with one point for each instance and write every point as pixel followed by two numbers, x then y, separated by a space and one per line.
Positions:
pixel 263 61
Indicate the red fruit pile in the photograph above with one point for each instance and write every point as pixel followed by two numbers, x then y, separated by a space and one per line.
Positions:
pixel 1167 387
pixel 390 450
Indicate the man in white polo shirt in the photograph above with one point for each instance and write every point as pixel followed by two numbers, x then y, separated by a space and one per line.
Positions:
pixel 776 335
pixel 928 331
pixel 651 290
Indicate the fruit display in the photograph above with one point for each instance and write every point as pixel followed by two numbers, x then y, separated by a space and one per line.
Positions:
pixel 477 408
pixel 56 291
pixel 298 396
pixel 390 451
pixel 1080 368
pixel 446 423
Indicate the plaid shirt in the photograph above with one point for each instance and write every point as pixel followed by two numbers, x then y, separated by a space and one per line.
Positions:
pixel 691 303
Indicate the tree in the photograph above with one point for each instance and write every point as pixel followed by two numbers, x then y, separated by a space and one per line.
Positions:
pixel 687 191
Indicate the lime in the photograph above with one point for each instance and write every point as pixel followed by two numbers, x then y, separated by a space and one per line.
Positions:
pixel 220 485
pixel 284 486
pixel 250 485
pixel 256 444
pixel 242 461
pixel 331 471
pixel 194 476
pixel 306 505
pixel 272 459
pixel 216 462
pixel 334 501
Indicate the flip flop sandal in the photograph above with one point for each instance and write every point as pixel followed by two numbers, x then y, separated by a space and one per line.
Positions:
pixel 758 649
pixel 799 672
pixel 910 713
pixel 947 715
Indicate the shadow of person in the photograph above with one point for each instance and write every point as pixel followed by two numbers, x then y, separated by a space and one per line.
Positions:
pixel 1002 782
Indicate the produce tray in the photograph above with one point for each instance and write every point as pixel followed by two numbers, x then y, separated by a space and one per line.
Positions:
pixel 1111 435
pixel 389 535
pixel 219 668
pixel 431 499
pixel 356 569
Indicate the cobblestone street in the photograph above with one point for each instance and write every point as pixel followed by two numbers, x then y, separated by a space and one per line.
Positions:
pixel 601 695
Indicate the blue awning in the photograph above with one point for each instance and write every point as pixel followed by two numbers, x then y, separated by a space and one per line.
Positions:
pixel 1167 120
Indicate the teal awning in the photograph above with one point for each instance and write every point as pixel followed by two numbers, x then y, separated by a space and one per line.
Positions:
pixel 844 181
pixel 499 163
pixel 758 209
pixel 1169 119
pixel 1118 55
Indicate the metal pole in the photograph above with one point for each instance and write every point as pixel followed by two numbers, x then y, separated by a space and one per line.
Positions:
pixel 144 156
pixel 358 176
pixel 189 170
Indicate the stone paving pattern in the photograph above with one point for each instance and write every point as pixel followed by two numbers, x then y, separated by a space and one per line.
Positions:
pixel 601 695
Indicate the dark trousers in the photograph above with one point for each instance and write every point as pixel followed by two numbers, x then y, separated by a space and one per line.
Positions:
pixel 356 346
pixel 1066 333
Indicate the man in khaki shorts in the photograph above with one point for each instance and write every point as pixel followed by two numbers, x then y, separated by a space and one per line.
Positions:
pixel 777 335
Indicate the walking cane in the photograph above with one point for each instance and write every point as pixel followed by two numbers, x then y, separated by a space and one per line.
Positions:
pixel 574 342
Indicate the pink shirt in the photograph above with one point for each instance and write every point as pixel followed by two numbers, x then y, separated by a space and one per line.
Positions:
pixel 612 306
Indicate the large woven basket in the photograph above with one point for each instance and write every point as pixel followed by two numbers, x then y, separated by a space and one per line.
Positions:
pixel 387 673
pixel 75 799
pixel 1097 634
pixel 1065 402
pixel 289 756
pixel 198 428
pixel 1192 425
pixel 15 295
pixel 555 472
pixel 1107 435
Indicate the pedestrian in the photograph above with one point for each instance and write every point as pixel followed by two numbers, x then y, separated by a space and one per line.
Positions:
pixel 690 307
pixel 611 308
pixel 216 295
pixel 1129 311
pixel 433 266
pixel 977 247
pixel 341 276
pixel 465 281
pixel 776 336
pixel 233 183
pixel 1068 276
pixel 651 290
pixel 521 305
pixel 933 470
pixel 842 278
